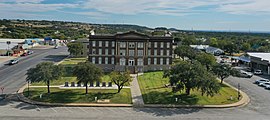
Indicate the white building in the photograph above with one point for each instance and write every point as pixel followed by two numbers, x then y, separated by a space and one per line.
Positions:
pixel 260 61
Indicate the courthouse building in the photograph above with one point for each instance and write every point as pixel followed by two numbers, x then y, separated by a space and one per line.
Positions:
pixel 131 51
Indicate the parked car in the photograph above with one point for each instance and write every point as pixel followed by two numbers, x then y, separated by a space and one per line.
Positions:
pixel 30 52
pixel 264 84
pixel 261 81
pixel 258 72
pixel 24 54
pixel 245 74
pixel 267 87
pixel 14 61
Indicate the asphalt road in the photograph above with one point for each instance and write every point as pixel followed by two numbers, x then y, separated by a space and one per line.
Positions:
pixel 13 77
pixel 11 109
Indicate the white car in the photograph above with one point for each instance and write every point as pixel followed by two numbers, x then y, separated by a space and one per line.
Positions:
pixel 267 87
pixel 261 81
pixel 258 72
pixel 245 74
pixel 264 84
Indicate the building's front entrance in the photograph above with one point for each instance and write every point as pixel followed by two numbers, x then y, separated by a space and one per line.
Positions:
pixel 131 66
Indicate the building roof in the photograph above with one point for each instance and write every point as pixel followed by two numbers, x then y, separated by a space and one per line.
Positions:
pixel 212 49
pixel 263 56
pixel 200 47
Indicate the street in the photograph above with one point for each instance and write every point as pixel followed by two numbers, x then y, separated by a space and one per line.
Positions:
pixel 13 77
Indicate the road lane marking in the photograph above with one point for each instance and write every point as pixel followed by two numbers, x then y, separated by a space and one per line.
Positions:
pixel 53 109
pixel 83 110
pixel 125 109
pixel 68 109
pixel 37 108
pixel 96 109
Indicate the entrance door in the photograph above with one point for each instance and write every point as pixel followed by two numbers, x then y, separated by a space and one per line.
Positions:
pixel 131 62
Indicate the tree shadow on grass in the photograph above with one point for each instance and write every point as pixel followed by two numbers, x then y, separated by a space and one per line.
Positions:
pixel 155 97
pixel 72 96
pixel 55 58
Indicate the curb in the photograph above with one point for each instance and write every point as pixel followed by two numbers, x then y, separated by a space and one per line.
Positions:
pixel 22 98
pixel 244 101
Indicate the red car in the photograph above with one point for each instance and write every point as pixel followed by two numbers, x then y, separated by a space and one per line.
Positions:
pixel 24 54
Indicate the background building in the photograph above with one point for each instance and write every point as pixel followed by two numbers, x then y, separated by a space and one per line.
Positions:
pixel 131 51
pixel 260 61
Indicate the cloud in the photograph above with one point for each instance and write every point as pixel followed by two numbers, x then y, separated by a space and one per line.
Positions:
pixel 22 1
pixel 249 7
pixel 178 7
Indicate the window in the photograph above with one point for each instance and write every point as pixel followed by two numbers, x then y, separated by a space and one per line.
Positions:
pixel 106 60
pixel 168 44
pixel 106 51
pixel 122 44
pixel 155 44
pixel 161 44
pixel 149 45
pixel 112 60
pixel 123 52
pixel 140 52
pixel 149 61
pixel 113 44
pixel 112 51
pixel 93 51
pixel 100 51
pixel 149 52
pixel 140 44
pixel 88 46
pixel 155 61
pixel 100 43
pixel 131 52
pixel 122 61
pixel 140 62
pixel 161 61
pixel 168 52
pixel 99 60
pixel 93 60
pixel 94 43
pixel 155 52
pixel 167 61
pixel 131 45
pixel 161 52
pixel 106 43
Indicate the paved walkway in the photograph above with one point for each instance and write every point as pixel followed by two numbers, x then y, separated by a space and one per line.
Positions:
pixel 136 94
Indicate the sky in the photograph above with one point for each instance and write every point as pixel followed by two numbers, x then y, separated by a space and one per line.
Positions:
pixel 225 15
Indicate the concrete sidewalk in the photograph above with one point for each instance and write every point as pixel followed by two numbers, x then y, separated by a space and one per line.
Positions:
pixel 136 94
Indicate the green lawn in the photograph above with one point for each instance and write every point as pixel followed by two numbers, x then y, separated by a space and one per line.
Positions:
pixel 73 61
pixel 78 96
pixel 69 63
pixel 105 78
pixel 153 88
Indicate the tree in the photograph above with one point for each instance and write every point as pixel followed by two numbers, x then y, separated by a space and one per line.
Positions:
pixel 45 71
pixel 231 48
pixel 185 51
pixel 223 71
pixel 75 48
pixel 87 72
pixel 213 42
pixel 246 46
pixel 208 85
pixel 206 59
pixel 120 79
pixel 187 76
